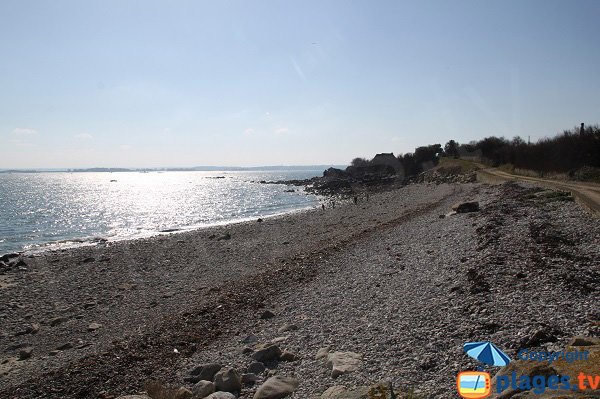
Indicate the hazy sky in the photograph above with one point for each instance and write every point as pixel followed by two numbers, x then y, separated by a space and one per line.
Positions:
pixel 183 83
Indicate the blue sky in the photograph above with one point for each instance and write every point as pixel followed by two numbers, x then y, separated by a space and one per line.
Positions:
pixel 182 83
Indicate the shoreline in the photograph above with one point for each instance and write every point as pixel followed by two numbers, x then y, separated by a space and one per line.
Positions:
pixel 342 276
pixel 111 283
pixel 55 246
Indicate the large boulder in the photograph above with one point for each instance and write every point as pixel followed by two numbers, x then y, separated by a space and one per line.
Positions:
pixel 277 387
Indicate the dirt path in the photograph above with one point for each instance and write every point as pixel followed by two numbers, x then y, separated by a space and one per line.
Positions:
pixel 587 193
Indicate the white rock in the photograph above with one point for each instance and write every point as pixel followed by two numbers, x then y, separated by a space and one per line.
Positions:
pixel 343 362
pixel 277 387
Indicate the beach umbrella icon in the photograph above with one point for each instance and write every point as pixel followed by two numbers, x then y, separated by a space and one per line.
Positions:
pixel 487 353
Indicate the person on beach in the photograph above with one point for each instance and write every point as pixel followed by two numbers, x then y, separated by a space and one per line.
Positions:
pixel 355 200
pixel 333 204
pixel 323 206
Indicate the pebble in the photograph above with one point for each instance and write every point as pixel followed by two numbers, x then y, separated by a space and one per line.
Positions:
pixel 267 314
pixel 94 326
pixel 25 353
pixel 57 320
pixel 288 327
pixel 65 346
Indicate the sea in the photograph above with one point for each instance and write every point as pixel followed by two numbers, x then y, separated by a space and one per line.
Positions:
pixel 43 211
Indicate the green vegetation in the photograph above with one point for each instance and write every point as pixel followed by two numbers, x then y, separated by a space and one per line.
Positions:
pixel 573 154
pixel 554 196
pixel 461 165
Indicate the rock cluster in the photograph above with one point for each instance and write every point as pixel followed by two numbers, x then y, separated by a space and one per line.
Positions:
pixel 441 176
pixel 214 381
pixel 11 262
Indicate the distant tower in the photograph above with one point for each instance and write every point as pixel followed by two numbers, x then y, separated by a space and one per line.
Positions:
pixel 581 128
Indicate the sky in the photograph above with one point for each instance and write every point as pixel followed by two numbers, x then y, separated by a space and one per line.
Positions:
pixel 123 83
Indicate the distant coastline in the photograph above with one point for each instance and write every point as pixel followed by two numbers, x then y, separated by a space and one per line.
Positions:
pixel 179 169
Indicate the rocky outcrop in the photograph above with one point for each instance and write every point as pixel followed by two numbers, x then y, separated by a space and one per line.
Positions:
pixel 441 175
pixel 345 182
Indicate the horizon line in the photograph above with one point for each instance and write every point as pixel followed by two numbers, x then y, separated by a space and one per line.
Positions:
pixel 159 168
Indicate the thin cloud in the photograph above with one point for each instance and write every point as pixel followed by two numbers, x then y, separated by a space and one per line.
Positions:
pixel 298 69
pixel 281 130
pixel 21 143
pixel 23 131
pixel 83 136
pixel 249 131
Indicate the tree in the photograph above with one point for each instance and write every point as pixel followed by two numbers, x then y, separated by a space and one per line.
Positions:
pixel 360 162
pixel 410 166
pixel 451 149
pixel 428 156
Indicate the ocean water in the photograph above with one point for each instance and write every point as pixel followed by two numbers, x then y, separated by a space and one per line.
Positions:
pixel 53 210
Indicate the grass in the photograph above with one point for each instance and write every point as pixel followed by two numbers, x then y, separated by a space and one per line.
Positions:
pixel 462 165
pixel 554 196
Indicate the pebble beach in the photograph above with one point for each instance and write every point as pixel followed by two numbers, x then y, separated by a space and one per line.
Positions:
pixel 395 283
